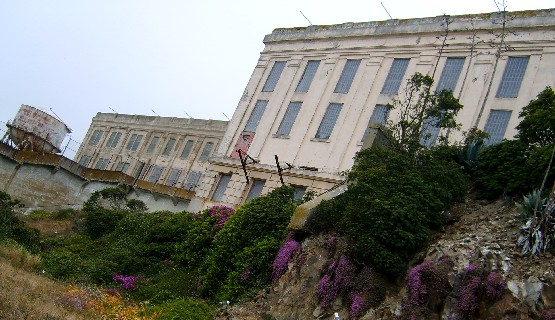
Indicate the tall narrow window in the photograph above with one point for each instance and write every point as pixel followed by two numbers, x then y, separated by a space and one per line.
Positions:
pixel 155 173
pixel 450 74
pixel 187 149
pixel 328 122
pixel 256 189
pixel 308 76
pixel 512 77
pixel 192 180
pixel 299 193
pixel 174 176
pixel 496 126
pixel 256 115
pixel 395 76
pixel 113 139
pixel 346 79
pixel 152 144
pixel 273 77
pixel 134 142
pixel 169 147
pixel 102 163
pixel 95 137
pixel 222 186
pixel 289 118
pixel 430 131
pixel 379 117
pixel 206 151
pixel 84 161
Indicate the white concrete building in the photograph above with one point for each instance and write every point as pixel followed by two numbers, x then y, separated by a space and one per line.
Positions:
pixel 316 89
pixel 164 150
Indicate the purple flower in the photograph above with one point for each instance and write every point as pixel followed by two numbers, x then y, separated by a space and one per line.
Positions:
pixel 338 278
pixel 327 291
pixel 222 214
pixel 495 286
pixel 357 307
pixel 283 257
pixel 245 275
pixel 127 282
pixel 468 297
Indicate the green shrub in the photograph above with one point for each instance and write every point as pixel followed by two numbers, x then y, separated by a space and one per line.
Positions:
pixel 512 168
pixel 109 198
pixel 391 205
pixel 185 308
pixel 12 227
pixel 256 228
pixel 62 265
pixel 101 222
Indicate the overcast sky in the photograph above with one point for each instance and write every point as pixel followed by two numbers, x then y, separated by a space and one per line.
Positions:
pixel 170 58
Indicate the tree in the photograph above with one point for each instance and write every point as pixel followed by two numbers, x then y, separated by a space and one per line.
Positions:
pixel 538 124
pixel 418 108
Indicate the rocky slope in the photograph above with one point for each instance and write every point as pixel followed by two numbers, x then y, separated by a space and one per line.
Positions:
pixel 482 233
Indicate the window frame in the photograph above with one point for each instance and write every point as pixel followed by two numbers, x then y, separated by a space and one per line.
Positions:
pixel 333 111
pixel 289 118
pixel 347 77
pixel 395 76
pixel 273 76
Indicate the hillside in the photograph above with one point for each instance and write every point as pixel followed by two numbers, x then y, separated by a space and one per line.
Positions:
pixel 482 233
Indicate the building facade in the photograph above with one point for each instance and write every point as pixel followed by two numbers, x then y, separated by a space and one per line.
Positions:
pixel 316 90
pixel 164 150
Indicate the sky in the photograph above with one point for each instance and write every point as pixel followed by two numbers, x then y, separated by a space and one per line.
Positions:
pixel 172 58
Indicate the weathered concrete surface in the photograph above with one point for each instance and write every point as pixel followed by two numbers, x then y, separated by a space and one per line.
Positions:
pixel 50 181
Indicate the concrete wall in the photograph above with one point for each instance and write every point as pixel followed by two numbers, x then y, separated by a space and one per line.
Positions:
pixel 44 182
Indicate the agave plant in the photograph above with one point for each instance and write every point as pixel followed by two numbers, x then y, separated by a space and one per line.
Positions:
pixel 538 233
pixel 532 205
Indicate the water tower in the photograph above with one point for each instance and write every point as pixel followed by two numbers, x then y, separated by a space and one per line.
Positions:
pixel 35 130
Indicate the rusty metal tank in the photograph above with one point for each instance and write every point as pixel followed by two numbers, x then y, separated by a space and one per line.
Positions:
pixel 35 130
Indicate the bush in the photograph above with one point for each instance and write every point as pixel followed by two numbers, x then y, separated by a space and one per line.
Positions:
pixel 101 222
pixel 391 205
pixel 184 308
pixel 12 227
pixel 248 241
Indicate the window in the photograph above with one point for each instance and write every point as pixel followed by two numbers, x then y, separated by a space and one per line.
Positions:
pixel 299 193
pixel 155 173
pixel 289 118
pixel 450 74
pixel 273 77
pixel 308 75
pixel 187 149
pixel 395 76
pixel 379 117
pixel 430 131
pixel 256 115
pixel 113 140
pixel 169 147
pixel 84 161
pixel 206 151
pixel 174 176
pixel 512 77
pixel 152 144
pixel 256 189
pixel 95 138
pixel 192 180
pixel 346 79
pixel 496 126
pixel 122 166
pixel 328 122
pixel 134 142
pixel 220 189
pixel 101 164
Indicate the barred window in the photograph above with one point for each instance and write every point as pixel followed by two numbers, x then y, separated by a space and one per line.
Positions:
pixel 206 151
pixel 299 193
pixel 379 117
pixel 256 115
pixel 152 144
pixel 450 74
pixel 308 76
pixel 95 138
pixel 192 180
pixel 289 118
pixel 187 149
pixel 113 139
pixel 496 126
pixel 256 189
pixel 430 132
pixel 84 161
pixel 134 142
pixel 395 76
pixel 174 176
pixel 347 75
pixel 155 173
pixel 169 147
pixel 101 164
pixel 122 166
pixel 328 121
pixel 221 187
pixel 273 77
pixel 512 77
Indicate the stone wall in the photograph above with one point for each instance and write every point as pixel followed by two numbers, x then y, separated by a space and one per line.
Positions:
pixel 50 181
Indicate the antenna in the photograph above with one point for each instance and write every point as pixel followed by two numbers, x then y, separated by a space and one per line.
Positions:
pixel 386 11
pixel 59 119
pixel 112 109
pixel 154 112
pixel 225 115
pixel 305 17
pixel 188 115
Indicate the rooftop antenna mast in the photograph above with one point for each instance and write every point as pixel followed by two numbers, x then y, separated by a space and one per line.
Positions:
pixel 188 114
pixel 154 112
pixel 305 17
pixel 112 109
pixel 226 116
pixel 59 118
pixel 386 11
